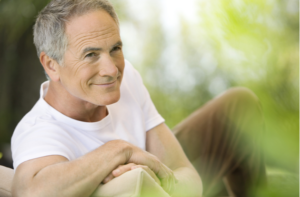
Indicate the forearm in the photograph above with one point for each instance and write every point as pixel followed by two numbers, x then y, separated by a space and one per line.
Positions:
pixel 79 177
pixel 189 183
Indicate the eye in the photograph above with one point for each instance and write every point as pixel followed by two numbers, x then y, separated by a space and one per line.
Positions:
pixel 116 48
pixel 91 55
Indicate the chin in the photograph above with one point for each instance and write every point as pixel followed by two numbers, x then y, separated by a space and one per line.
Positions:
pixel 109 99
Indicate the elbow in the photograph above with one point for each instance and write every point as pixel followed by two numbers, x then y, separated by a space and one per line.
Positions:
pixel 25 193
pixel 189 183
pixel 17 192
pixel 23 190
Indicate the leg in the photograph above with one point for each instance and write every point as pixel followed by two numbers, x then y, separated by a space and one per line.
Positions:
pixel 223 141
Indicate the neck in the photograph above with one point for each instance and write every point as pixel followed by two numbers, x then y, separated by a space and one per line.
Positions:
pixel 61 100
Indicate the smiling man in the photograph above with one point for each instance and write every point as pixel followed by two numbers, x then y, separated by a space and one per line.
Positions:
pixel 90 123
pixel 95 119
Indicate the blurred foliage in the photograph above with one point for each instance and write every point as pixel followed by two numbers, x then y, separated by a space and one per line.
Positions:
pixel 265 36
pixel 250 43
pixel 185 60
pixel 228 43
pixel 20 73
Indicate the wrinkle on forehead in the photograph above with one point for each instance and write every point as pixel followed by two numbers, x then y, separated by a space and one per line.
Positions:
pixel 102 33
pixel 93 26
pixel 83 39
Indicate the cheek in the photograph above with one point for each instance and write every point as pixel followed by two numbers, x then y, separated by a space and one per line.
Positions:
pixel 121 64
pixel 78 71
pixel 74 66
pixel 120 56
pixel 76 79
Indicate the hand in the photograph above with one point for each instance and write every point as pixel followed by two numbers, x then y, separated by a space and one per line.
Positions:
pixel 121 169
pixel 144 158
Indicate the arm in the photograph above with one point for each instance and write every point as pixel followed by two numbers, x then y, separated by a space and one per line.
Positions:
pixel 56 176
pixel 161 142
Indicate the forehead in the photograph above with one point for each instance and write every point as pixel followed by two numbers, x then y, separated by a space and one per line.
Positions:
pixel 97 22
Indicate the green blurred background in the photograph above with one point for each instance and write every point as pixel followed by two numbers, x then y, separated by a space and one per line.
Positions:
pixel 187 53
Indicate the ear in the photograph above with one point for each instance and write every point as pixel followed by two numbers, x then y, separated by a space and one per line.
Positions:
pixel 51 66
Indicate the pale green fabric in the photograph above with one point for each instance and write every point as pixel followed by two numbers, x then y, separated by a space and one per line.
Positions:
pixel 133 183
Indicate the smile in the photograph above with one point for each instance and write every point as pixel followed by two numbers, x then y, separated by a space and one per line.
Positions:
pixel 106 85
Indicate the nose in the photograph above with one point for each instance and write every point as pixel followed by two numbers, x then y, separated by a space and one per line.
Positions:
pixel 108 68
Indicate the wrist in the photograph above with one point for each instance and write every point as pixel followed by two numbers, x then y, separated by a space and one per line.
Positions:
pixel 127 150
pixel 123 148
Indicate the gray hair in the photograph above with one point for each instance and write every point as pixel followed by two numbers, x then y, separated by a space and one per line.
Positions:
pixel 49 29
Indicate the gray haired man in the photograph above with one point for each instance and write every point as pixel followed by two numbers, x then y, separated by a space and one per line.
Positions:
pixel 95 119
pixel 88 128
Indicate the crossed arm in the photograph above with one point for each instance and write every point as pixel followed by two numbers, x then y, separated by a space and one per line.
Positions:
pixel 56 176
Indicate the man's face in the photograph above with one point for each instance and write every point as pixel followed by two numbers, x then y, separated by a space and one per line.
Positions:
pixel 94 61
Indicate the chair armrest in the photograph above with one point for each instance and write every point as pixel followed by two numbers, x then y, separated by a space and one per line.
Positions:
pixel 6 177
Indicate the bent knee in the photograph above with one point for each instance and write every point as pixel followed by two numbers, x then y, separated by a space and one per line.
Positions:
pixel 241 95
pixel 242 109
pixel 240 103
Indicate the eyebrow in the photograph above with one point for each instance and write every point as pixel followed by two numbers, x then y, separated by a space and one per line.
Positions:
pixel 119 43
pixel 91 49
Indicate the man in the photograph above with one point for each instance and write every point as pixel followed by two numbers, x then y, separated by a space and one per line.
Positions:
pixel 88 128
pixel 95 120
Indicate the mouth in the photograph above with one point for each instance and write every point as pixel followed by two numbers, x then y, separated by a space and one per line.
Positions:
pixel 106 85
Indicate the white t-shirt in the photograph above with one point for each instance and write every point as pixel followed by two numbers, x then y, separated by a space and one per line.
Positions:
pixel 45 131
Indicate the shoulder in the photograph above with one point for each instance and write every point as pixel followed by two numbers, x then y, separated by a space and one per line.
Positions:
pixel 35 116
pixel 39 135
pixel 36 124
pixel 32 130
pixel 133 84
pixel 132 78
pixel 130 72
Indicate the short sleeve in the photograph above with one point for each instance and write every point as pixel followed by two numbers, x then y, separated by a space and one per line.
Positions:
pixel 40 140
pixel 151 116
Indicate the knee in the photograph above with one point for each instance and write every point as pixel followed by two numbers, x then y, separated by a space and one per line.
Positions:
pixel 240 103
pixel 244 113
pixel 242 93
pixel 242 97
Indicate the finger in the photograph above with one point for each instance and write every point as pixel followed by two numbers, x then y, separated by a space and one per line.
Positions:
pixel 108 178
pixel 122 169
pixel 159 168
pixel 169 180
pixel 149 171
